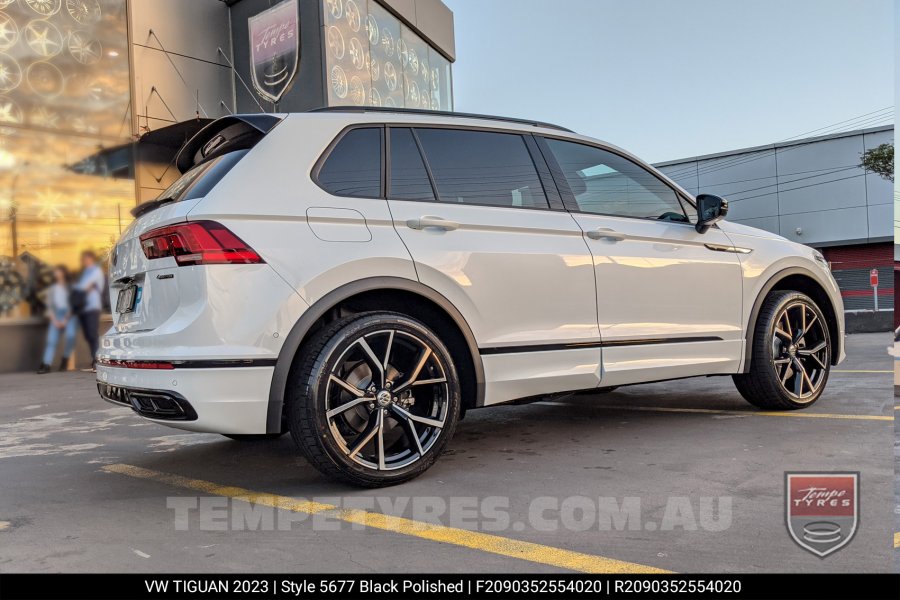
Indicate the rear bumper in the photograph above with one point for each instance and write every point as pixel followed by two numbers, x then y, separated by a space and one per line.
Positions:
pixel 230 400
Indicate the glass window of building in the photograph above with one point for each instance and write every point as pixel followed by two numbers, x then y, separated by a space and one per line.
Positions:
pixel 372 59
pixel 66 160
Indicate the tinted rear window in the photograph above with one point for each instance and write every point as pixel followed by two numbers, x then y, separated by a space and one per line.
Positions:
pixel 409 179
pixel 481 167
pixel 199 180
pixel 353 167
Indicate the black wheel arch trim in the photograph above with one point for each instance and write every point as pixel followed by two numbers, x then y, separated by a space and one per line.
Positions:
pixel 330 300
pixel 761 297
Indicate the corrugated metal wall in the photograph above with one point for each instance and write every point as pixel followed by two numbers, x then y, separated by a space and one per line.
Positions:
pixel 851 266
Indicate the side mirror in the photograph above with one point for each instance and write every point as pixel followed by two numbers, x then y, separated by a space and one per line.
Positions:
pixel 710 210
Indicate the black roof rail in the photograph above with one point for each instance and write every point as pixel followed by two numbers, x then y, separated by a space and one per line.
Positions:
pixel 437 113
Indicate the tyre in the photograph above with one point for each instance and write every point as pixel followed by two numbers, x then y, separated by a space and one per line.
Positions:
pixel 597 391
pixel 791 355
pixel 374 399
pixel 249 437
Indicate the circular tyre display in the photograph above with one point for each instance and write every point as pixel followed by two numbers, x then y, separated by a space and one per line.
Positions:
pixel 374 399
pixel 791 354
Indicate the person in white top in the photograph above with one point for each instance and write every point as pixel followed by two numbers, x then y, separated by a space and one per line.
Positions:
pixel 62 321
pixel 92 283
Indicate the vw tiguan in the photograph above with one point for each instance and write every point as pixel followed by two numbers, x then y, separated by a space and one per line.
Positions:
pixel 361 278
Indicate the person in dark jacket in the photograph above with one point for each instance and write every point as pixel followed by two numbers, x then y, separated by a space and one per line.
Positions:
pixel 92 283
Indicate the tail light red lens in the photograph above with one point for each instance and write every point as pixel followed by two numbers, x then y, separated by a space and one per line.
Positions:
pixel 198 243
pixel 136 364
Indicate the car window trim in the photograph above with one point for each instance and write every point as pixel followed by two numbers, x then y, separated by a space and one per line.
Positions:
pixel 551 191
pixel 566 191
pixel 436 194
pixel 388 165
pixel 323 158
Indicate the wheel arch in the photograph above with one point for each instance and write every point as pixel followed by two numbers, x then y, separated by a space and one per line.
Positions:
pixel 382 293
pixel 803 281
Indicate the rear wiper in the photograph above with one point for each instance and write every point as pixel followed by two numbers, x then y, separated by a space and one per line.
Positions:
pixel 142 209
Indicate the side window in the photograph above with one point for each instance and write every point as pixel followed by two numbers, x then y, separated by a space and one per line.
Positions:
pixel 480 167
pixel 353 168
pixel 608 184
pixel 409 179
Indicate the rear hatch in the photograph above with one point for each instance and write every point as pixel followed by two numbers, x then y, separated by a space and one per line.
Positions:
pixel 145 293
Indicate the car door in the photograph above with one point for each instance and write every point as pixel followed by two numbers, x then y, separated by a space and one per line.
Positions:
pixel 482 231
pixel 669 299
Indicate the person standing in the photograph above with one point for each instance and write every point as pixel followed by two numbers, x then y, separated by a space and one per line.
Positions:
pixel 91 283
pixel 61 320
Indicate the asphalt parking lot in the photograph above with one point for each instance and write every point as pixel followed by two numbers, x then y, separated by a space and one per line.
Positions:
pixel 90 487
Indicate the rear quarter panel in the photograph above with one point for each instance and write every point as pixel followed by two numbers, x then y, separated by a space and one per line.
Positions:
pixel 270 201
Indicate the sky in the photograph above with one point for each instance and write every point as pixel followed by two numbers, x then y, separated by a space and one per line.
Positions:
pixel 670 79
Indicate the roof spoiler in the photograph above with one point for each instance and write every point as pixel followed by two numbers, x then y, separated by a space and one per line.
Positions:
pixel 234 132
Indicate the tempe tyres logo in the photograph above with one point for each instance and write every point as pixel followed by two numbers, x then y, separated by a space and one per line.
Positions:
pixel 822 510
pixel 274 49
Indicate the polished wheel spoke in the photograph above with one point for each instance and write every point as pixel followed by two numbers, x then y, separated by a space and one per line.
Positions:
pixel 366 435
pixel 798 381
pixel 819 360
pixel 380 418
pixel 426 354
pixel 814 350
pixel 784 334
pixel 409 428
pixel 345 407
pixel 429 381
pixel 424 420
pixel 375 362
pixel 811 323
pixel 787 373
pixel 804 377
pixel 349 388
pixel 387 353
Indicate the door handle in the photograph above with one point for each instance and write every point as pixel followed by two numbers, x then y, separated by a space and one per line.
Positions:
pixel 436 222
pixel 605 233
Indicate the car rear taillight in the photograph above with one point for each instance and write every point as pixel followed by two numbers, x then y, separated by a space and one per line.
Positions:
pixel 198 243
pixel 136 364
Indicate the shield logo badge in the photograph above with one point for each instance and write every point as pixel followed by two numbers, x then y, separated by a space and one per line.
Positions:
pixel 274 49
pixel 822 510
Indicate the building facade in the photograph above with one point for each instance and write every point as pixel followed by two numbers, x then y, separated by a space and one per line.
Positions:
pixel 813 191
pixel 96 97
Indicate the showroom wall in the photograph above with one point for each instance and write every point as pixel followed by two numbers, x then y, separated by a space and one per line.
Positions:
pixel 178 74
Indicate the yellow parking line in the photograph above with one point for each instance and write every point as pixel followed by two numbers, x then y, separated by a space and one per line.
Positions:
pixel 716 411
pixel 494 544
pixel 897 540
pixel 859 371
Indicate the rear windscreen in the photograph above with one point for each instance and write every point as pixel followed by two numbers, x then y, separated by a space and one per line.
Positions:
pixel 199 180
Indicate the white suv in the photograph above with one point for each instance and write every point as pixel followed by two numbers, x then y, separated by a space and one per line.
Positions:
pixel 362 277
